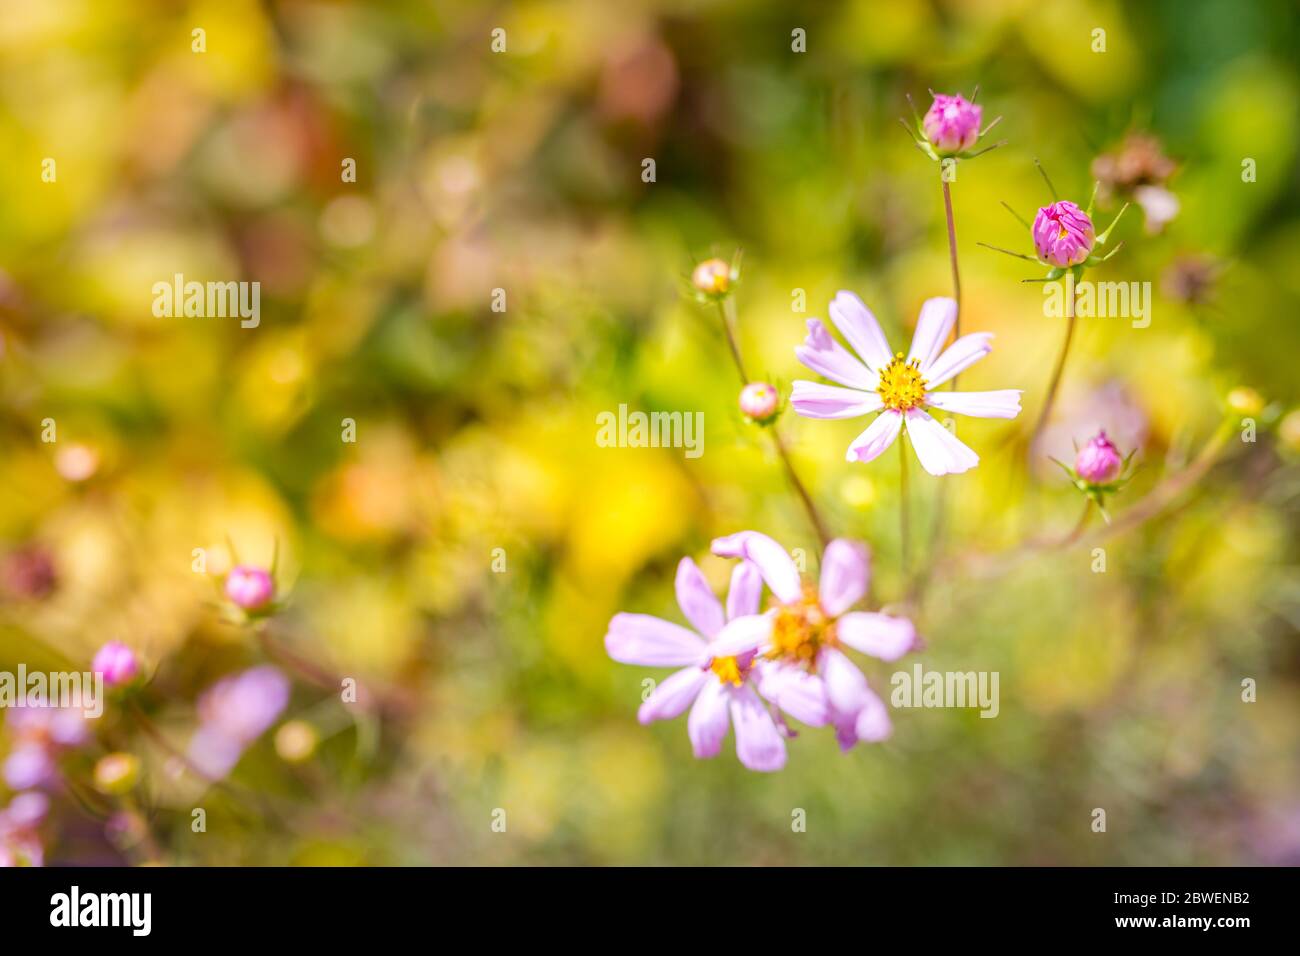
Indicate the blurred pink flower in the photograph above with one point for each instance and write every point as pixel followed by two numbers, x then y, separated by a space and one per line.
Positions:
pixel 952 124
pixel 116 662
pixel 20 844
pixel 249 587
pixel 900 389
pixel 233 713
pixel 1063 234
pixel 1099 460
pixel 801 665
pixel 717 703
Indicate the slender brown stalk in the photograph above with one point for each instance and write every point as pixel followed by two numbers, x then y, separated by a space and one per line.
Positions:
pixel 813 515
pixel 1055 383
pixel 726 312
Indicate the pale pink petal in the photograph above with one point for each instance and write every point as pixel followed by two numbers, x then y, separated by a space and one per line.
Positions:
pixel 825 356
pixel 877 437
pixel 880 635
pixel 652 642
pixel 814 400
pixel 746 590
pixel 1004 403
pixel 860 329
pixel 741 635
pixel 846 568
pixel 933 327
pixel 845 684
pixel 795 691
pixel 707 724
pixel 958 357
pixel 873 724
pixel 846 729
pixel 939 450
pixel 759 745
pixel 673 695
pixel 697 600
pixel 776 566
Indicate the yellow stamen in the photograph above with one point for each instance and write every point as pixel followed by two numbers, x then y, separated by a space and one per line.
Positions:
pixel 901 384
pixel 800 630
pixel 728 670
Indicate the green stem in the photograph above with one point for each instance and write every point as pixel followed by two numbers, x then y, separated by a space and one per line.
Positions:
pixel 904 507
pixel 1055 383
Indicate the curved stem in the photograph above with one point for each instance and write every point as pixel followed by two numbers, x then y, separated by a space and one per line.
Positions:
pixel 726 311
pixel 904 507
pixel 813 515
pixel 1055 382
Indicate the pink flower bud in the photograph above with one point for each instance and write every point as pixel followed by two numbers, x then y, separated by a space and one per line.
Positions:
pixel 1063 234
pixel 712 277
pixel 116 662
pixel 759 401
pixel 952 124
pixel 250 588
pixel 1098 461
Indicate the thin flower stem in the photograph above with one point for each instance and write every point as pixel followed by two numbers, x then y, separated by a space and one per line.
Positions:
pixel 941 501
pixel 726 311
pixel 1060 366
pixel 813 515
pixel 904 508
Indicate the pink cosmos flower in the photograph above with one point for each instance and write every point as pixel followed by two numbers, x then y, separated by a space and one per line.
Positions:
pixel 800 659
pixel 897 387
pixel 40 734
pixel 1063 234
pixel 249 587
pixel 116 662
pixel 1098 461
pixel 717 687
pixel 233 713
pixel 952 124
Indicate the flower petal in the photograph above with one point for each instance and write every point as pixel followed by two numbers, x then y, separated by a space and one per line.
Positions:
pixel 880 635
pixel 673 695
pixel 741 635
pixel 958 357
pixel 652 642
pixel 845 684
pixel 746 590
pixel 697 600
pixel 933 327
pixel 707 724
pixel 825 356
pixel 873 724
pixel 846 568
pixel 860 329
pixel 939 450
pixel 1004 403
pixel 877 437
pixel 795 691
pixel 846 730
pixel 759 744
pixel 776 566
pixel 814 400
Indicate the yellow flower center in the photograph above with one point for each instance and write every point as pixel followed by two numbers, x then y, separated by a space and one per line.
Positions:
pixel 901 384
pixel 1063 233
pixel 728 670
pixel 800 630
